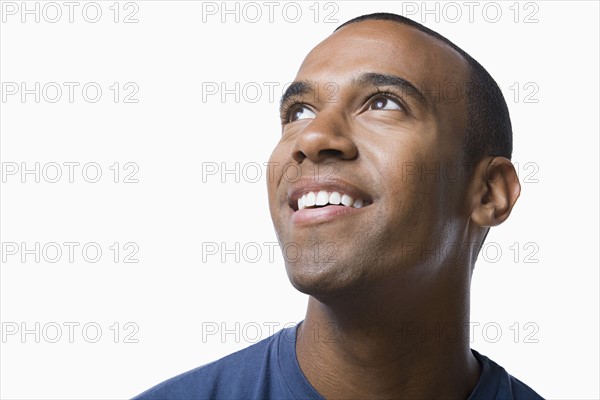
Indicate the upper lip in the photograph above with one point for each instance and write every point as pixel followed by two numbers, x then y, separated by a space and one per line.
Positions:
pixel 311 184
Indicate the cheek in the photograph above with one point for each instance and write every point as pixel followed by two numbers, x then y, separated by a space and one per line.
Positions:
pixel 280 172
pixel 275 168
pixel 413 195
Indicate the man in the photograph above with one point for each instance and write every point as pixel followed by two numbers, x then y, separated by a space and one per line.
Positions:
pixel 397 180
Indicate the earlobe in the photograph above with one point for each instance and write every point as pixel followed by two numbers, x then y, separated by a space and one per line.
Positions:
pixel 497 190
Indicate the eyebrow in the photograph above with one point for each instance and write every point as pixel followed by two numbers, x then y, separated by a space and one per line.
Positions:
pixel 296 89
pixel 300 88
pixel 404 86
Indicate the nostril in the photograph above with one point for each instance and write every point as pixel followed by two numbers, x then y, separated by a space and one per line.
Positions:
pixel 331 153
pixel 299 156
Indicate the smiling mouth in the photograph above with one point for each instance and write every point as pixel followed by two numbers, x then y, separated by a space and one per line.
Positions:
pixel 323 198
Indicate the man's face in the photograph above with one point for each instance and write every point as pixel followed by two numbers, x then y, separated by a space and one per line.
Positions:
pixel 362 130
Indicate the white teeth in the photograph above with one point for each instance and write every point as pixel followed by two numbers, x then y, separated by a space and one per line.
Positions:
pixel 335 198
pixel 347 200
pixel 322 198
pixel 310 200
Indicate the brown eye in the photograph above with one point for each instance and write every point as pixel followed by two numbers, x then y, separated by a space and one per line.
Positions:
pixel 299 112
pixel 384 103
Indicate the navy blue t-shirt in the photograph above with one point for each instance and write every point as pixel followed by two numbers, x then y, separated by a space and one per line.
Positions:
pixel 269 369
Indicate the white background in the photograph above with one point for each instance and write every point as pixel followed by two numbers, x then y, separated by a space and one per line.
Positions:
pixel 171 134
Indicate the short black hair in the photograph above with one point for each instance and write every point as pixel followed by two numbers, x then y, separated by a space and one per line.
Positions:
pixel 488 131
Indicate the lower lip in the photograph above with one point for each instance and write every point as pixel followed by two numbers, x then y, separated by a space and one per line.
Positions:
pixel 322 214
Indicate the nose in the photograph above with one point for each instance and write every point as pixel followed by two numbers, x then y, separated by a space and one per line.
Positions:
pixel 326 136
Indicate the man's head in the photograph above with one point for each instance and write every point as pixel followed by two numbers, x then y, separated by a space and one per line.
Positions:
pixel 374 114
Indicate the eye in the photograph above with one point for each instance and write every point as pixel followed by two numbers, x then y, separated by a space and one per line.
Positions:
pixel 300 111
pixel 384 103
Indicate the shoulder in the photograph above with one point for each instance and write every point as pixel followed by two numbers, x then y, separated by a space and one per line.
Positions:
pixel 242 374
pixel 496 383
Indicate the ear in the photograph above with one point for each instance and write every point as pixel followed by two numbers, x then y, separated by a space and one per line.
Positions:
pixel 497 189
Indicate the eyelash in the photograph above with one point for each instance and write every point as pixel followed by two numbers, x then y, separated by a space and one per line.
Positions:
pixel 287 108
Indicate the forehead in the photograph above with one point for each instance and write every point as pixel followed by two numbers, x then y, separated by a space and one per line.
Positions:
pixel 385 47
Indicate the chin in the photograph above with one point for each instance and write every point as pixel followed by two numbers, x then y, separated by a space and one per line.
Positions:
pixel 324 279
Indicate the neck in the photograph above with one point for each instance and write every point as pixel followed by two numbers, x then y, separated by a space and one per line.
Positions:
pixel 405 340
